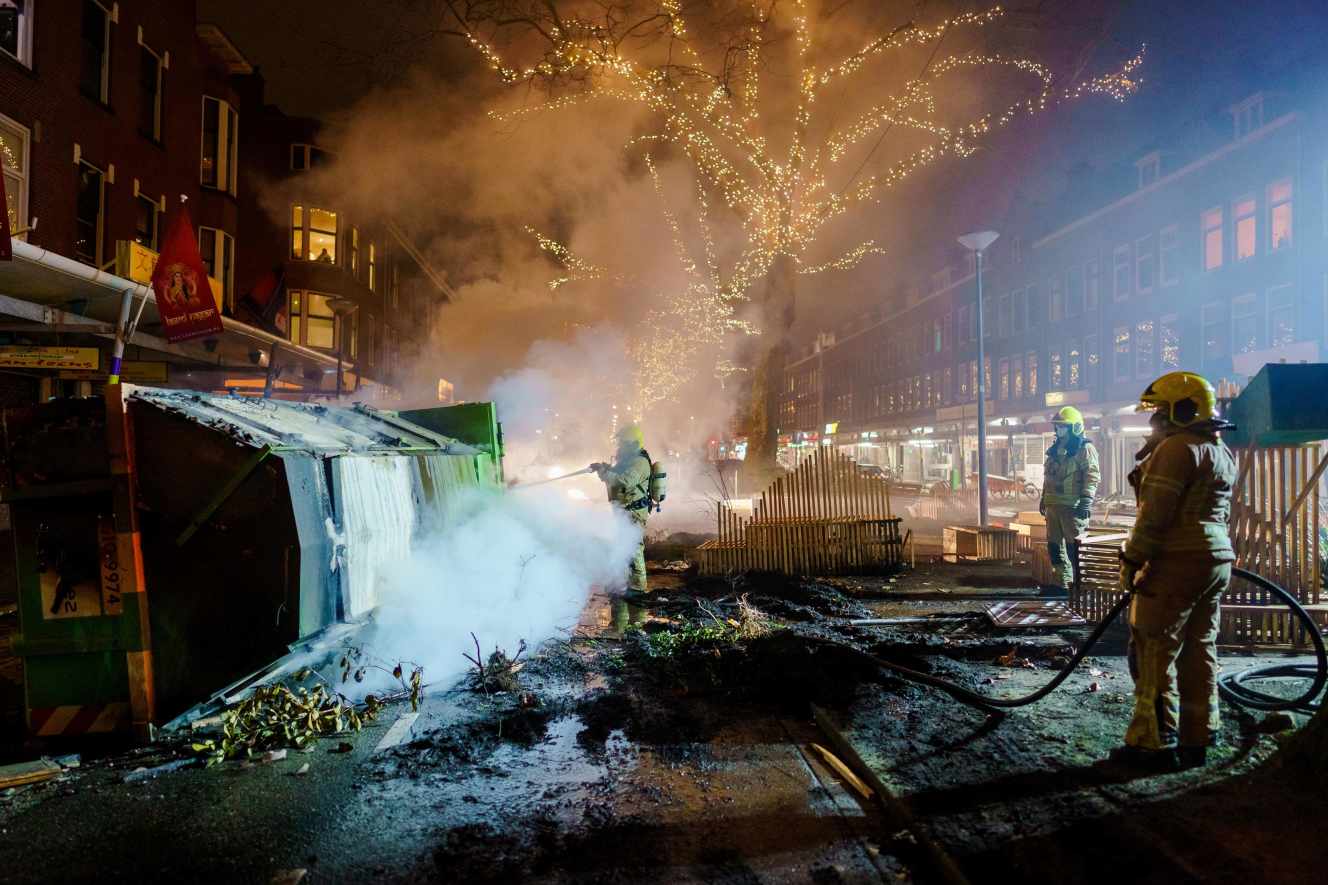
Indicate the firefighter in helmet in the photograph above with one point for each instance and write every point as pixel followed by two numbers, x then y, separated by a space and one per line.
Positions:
pixel 627 480
pixel 1069 482
pixel 1177 563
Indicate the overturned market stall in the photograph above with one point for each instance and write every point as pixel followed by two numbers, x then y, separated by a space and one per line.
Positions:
pixel 244 526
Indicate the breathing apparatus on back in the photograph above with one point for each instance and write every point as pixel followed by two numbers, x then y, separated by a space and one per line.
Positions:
pixel 656 489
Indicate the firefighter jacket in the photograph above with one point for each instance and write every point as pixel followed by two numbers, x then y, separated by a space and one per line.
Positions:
pixel 1183 486
pixel 628 481
pixel 1070 474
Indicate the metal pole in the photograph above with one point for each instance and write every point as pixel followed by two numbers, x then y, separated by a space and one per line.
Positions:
pixel 271 371
pixel 982 406
pixel 121 332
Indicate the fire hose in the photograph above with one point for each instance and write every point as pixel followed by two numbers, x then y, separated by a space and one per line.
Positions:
pixel 1232 687
pixel 544 482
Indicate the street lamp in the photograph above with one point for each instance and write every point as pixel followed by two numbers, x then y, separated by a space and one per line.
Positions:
pixel 342 308
pixel 977 243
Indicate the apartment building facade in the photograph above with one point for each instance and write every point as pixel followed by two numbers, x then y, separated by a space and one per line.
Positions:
pixel 1213 262
pixel 111 115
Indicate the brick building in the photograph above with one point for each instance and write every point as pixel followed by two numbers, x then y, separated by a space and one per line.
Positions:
pixel 1210 259
pixel 109 113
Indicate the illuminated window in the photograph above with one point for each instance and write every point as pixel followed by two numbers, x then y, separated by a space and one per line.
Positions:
pixel 1279 214
pixel 221 131
pixel 1213 327
pixel 373 268
pixel 1003 373
pixel 986 376
pixel 89 209
pixel 313 323
pixel 16 29
pixel 1212 239
pixel 973 378
pixel 146 213
pixel 1122 350
pixel 149 93
pixel 1057 380
pixel 14 140
pixel 1092 284
pixel 1168 340
pixel 1073 366
pixel 1246 227
pixel 217 249
pixel 1244 324
pixel 94 75
pixel 1167 265
pixel 355 252
pixel 1017 377
pixel 1143 349
pixel 1031 360
pixel 1121 273
pixel 313 234
pixel 1281 316
pixel 1143 264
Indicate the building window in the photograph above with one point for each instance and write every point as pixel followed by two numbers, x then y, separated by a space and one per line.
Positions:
pixel 1248 115
pixel 313 234
pixel 89 209
pixel 1093 361
pixel 1246 227
pixel 16 29
pixel 1167 266
pixel 313 323
pixel 304 157
pixel 149 93
pixel 986 377
pixel 1281 316
pixel 988 321
pixel 146 213
pixel 1092 284
pixel 373 267
pixel 355 252
pixel 973 378
pixel 1017 377
pixel 1018 311
pixel 1057 380
pixel 1214 333
pixel 1212 239
pixel 961 325
pixel 1279 214
pixel 949 385
pixel 1031 360
pixel 1122 349
pixel 1003 373
pixel 1073 366
pixel 1244 324
pixel 1143 264
pixel 973 323
pixel 94 76
pixel 1056 301
pixel 1074 291
pixel 1121 273
pixel 1149 168
pixel 221 129
pixel 936 340
pixel 1168 340
pixel 14 140
pixel 218 250
pixel 1143 349
pixel 1003 317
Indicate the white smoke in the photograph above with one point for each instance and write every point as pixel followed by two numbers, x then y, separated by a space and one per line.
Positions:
pixel 508 566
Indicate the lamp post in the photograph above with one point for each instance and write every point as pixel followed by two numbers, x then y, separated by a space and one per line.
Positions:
pixel 977 243
pixel 342 308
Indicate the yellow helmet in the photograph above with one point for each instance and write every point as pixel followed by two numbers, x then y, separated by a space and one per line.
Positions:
pixel 1071 416
pixel 1183 397
pixel 630 434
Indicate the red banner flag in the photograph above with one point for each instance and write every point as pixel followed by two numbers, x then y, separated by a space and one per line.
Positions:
pixel 180 282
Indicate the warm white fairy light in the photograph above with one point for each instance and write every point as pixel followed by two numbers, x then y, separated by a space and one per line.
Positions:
pixel 784 199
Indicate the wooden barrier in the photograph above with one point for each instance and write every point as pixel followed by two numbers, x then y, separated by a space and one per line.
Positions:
pixel 824 518
pixel 979 543
pixel 1275 526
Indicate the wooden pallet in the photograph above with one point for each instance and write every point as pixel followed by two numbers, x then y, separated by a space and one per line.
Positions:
pixel 972 543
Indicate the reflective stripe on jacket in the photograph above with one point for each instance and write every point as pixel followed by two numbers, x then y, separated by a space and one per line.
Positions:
pixel 1068 478
pixel 1184 497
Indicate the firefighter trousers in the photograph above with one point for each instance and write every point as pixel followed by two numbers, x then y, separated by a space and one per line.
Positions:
pixel 1173 650
pixel 636 575
pixel 1065 531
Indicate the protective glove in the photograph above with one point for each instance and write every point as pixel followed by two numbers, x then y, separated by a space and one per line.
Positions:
pixel 1083 509
pixel 1128 572
pixel 599 467
pixel 1042 506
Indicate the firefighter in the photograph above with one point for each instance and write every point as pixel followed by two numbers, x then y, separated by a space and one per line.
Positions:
pixel 628 482
pixel 1177 563
pixel 1069 482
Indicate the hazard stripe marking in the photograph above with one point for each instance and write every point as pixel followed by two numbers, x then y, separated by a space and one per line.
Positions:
pixel 399 731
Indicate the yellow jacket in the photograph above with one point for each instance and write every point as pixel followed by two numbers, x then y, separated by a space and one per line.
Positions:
pixel 1183 486
pixel 628 481
pixel 1070 477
